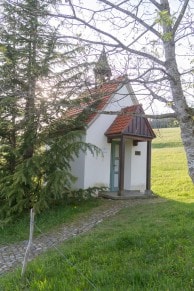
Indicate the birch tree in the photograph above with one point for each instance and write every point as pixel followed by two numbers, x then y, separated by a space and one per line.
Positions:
pixel 149 37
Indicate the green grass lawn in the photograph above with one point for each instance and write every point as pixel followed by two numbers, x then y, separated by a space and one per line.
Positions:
pixel 170 177
pixel 144 247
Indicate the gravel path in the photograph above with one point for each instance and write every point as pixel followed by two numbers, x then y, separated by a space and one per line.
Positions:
pixel 12 255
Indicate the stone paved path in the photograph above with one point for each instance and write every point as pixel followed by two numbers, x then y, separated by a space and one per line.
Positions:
pixel 12 255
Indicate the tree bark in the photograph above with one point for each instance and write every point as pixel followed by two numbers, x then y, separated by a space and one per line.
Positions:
pixel 30 131
pixel 181 109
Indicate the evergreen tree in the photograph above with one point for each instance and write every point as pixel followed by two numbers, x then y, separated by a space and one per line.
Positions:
pixel 36 145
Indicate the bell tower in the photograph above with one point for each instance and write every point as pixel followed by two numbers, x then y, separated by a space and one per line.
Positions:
pixel 102 69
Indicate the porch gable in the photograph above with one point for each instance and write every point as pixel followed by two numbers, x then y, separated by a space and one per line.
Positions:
pixel 131 123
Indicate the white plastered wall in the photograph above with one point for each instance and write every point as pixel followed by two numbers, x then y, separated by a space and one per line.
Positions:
pixel 94 171
pixel 138 167
pixel 127 166
pixel 97 169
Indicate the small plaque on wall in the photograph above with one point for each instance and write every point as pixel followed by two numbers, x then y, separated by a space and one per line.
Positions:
pixel 137 153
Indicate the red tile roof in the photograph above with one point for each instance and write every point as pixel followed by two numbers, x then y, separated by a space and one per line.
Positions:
pixel 131 123
pixel 122 120
pixel 97 97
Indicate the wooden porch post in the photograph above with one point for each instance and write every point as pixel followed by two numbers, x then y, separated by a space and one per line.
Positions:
pixel 148 170
pixel 121 165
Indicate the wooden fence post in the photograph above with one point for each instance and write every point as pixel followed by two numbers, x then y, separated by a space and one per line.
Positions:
pixel 25 261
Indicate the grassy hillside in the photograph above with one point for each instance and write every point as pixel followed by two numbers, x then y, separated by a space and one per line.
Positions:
pixel 167 138
pixel 148 246
pixel 170 177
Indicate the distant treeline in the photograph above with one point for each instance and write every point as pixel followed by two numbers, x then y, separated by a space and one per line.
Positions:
pixel 164 123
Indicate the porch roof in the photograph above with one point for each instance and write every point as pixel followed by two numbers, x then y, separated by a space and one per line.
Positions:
pixel 131 123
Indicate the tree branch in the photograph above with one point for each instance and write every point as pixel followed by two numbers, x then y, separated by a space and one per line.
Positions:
pixel 72 8
pixel 150 28
pixel 183 36
pixel 156 4
pixel 157 97
pixel 138 37
pixel 176 25
pixel 153 116
pixel 155 80
pixel 118 42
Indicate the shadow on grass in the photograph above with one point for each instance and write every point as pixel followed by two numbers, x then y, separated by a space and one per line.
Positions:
pixel 167 145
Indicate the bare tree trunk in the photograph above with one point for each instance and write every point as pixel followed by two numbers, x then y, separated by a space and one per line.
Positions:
pixel 185 119
pixel 32 213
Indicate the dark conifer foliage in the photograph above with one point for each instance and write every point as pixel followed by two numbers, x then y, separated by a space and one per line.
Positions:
pixel 35 72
